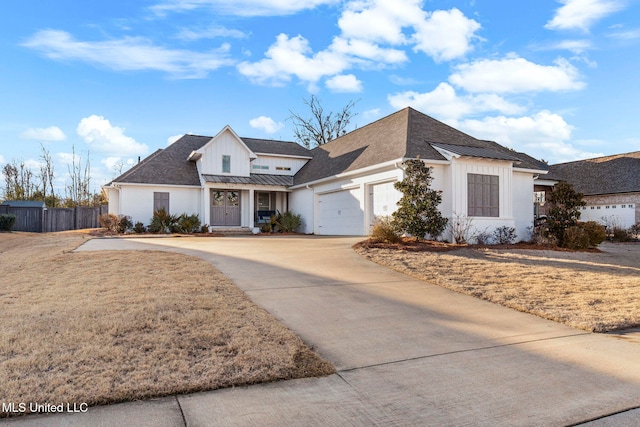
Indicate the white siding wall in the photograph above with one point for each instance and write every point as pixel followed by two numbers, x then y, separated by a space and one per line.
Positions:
pixel 113 195
pixel 301 202
pixel 523 204
pixel 225 144
pixel 274 161
pixel 136 201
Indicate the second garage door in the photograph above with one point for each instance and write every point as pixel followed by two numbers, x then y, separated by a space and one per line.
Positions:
pixel 340 213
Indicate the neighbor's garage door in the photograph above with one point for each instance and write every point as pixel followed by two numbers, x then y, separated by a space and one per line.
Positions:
pixel 340 213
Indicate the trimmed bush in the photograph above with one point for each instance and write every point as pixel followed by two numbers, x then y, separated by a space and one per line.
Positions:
pixel 575 237
pixel 596 232
pixel 7 222
pixel 289 222
pixel 384 231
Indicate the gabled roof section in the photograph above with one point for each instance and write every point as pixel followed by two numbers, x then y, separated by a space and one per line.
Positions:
pixel 619 173
pixel 405 134
pixel 472 151
pixel 274 147
pixel 227 128
pixel 168 166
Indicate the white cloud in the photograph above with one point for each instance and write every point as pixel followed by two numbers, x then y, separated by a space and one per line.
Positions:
pixel 266 124
pixel 372 37
pixel 625 35
pixel 575 46
pixel 289 57
pixel 444 103
pixel 130 54
pixel 344 83
pixel 516 75
pixel 103 137
pixel 543 135
pixel 209 33
pixel 445 35
pixel 174 138
pixel 52 133
pixel 240 7
pixel 582 14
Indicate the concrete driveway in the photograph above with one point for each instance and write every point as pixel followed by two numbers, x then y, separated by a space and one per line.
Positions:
pixel 407 352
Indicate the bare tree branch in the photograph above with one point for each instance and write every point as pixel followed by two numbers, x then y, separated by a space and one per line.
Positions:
pixel 320 128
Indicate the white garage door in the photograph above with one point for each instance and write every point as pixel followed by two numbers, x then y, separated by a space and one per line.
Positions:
pixel 383 200
pixel 340 213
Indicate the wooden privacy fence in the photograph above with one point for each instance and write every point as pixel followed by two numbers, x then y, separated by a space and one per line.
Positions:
pixel 44 220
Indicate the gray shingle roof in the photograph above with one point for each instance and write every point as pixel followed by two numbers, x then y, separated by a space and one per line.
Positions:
pixel 254 179
pixel 486 153
pixel 405 134
pixel 170 166
pixel 603 175
pixel 270 146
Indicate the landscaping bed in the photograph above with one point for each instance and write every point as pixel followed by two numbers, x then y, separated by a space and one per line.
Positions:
pixel 597 290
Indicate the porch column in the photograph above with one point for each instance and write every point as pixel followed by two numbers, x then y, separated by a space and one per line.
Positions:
pixel 252 208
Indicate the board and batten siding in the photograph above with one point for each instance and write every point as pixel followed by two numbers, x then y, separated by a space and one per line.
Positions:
pixel 137 201
pixel 225 144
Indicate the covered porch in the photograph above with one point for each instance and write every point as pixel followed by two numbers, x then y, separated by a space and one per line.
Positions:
pixel 243 202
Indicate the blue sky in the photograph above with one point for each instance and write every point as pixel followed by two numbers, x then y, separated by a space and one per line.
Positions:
pixel 115 79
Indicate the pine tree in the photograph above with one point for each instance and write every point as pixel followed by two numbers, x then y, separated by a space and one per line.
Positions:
pixel 564 211
pixel 417 213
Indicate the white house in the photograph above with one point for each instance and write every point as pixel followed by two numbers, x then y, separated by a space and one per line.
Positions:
pixel 338 188
pixel 610 184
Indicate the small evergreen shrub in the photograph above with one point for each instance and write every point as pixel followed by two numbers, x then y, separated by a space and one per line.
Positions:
pixel 7 222
pixel 139 228
pixel 384 231
pixel 188 223
pixel 163 222
pixel 204 228
pixel 504 235
pixel 576 238
pixel 289 222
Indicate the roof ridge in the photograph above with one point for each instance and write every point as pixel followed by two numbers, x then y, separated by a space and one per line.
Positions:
pixel 610 156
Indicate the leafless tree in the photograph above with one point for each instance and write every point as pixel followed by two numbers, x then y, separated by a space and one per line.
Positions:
pixel 18 180
pixel 47 178
pixel 78 191
pixel 320 128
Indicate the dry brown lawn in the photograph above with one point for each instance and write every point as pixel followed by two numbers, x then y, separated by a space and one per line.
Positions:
pixel 116 326
pixel 595 291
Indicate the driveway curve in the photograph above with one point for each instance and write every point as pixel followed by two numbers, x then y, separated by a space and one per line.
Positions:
pixel 407 352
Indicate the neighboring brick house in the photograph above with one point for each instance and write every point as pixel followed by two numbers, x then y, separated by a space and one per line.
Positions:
pixel 611 187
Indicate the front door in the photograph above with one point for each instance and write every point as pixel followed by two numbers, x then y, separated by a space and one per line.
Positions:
pixel 225 208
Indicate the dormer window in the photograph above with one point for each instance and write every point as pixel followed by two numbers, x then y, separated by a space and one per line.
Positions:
pixel 226 164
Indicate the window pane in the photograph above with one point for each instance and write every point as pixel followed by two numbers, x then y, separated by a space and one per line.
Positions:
pixel 233 198
pixel 226 164
pixel 264 202
pixel 217 198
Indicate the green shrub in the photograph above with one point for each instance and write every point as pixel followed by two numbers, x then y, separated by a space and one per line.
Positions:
pixel 139 228
pixel 504 235
pixel 188 223
pixel 596 232
pixel 7 222
pixel 289 222
pixel 204 228
pixel 575 237
pixel 384 231
pixel 163 222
